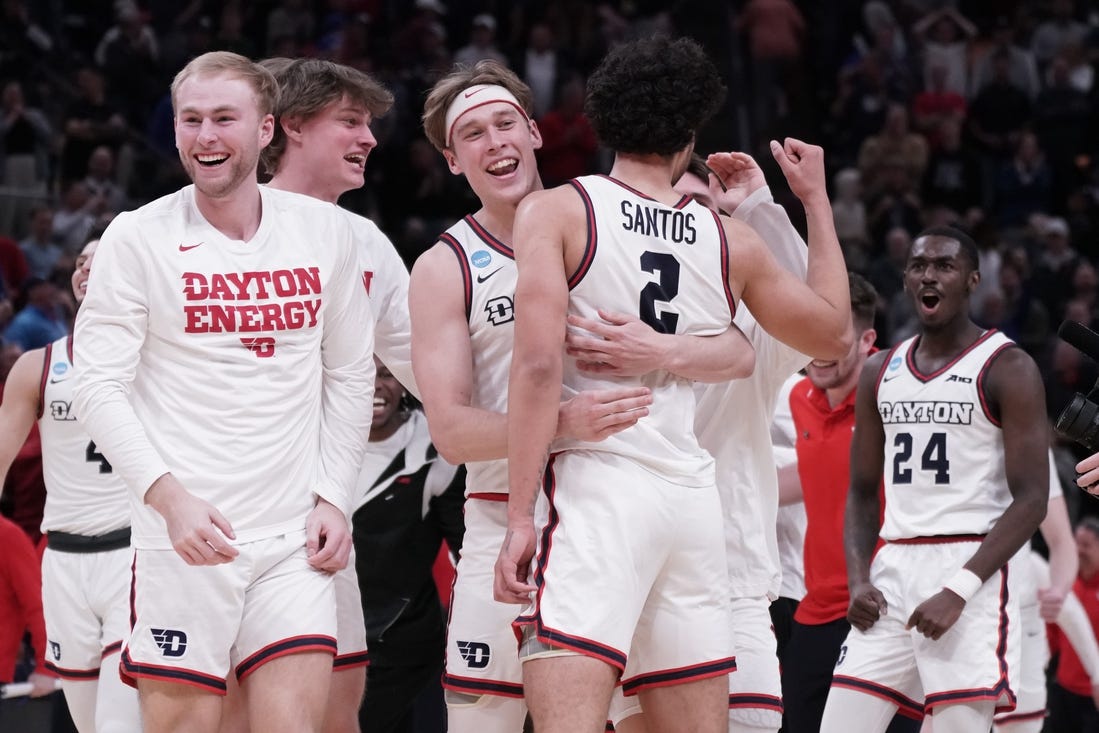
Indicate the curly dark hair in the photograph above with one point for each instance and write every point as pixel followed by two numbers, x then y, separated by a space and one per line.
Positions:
pixel 651 96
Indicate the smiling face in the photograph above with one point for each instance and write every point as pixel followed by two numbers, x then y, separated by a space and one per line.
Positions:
pixel 939 278
pixel 83 270
pixel 219 132
pixel 387 402
pixel 493 145
pixel 337 141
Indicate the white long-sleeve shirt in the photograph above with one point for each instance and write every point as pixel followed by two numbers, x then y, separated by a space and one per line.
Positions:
pixel 243 368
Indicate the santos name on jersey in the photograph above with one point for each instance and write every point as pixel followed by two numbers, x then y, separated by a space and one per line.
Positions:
pixel 670 266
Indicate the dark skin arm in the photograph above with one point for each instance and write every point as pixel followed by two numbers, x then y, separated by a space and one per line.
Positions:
pixel 446 511
pixel 1014 392
pixel 861 522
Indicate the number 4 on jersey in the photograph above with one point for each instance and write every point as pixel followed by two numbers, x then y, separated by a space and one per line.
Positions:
pixel 91 455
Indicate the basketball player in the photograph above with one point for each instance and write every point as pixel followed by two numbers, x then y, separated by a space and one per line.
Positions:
pixel 1045 591
pixel 955 418
pixel 629 242
pixel 321 143
pixel 461 297
pixel 225 370
pixel 86 520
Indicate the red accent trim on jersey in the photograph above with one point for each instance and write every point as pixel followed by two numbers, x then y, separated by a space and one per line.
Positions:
pixel 741 700
pixel 911 357
pixel 729 298
pixel 73 674
pixel 133 593
pixel 285 647
pixel 668 677
pixel 683 201
pixel 981 384
pixel 47 357
pixel 351 661
pixel 1002 686
pixel 938 539
pixel 486 236
pixel 69 348
pixel 906 706
pixel 475 686
pixel 467 276
pixel 591 242
pixel 1020 717
pixel 111 649
pixel 488 496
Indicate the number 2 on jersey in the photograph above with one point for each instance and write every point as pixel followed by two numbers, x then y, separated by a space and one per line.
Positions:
pixel 933 458
pixel 665 291
pixel 91 455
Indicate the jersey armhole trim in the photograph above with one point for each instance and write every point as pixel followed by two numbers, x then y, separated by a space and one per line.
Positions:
pixel 467 277
pixel 985 407
pixel 590 244
pixel 47 359
pixel 885 365
pixel 724 240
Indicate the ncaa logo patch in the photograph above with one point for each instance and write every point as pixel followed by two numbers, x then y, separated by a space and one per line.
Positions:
pixel 480 258
pixel 172 643
pixel 895 363
pixel 60 368
pixel 475 653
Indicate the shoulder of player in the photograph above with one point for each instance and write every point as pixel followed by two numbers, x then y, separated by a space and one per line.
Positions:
pixel 437 272
pixel 1010 368
pixel 560 201
pixel 873 366
pixel 25 376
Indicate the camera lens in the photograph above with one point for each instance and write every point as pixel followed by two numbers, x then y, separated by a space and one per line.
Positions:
pixel 1079 421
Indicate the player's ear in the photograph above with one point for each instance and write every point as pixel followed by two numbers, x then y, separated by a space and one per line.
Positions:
pixel 535 135
pixel 973 281
pixel 291 126
pixel 452 162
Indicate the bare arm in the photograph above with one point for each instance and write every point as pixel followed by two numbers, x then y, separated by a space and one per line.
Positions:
pixel 1064 563
pixel 623 345
pixel 789 486
pixel 861 523
pixel 19 409
pixel 814 316
pixel 534 386
pixel 443 364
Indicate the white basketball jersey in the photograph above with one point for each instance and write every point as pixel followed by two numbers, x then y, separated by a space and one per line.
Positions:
pixel 83 494
pixel 669 265
pixel 489 276
pixel 944 451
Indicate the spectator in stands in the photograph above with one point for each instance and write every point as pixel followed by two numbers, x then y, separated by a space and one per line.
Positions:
pixel 1055 266
pixel 129 56
pixel 894 145
pixel 568 139
pixel 997 118
pixel 101 183
pixel 946 33
pixel 1024 184
pixel 1015 311
pixel 25 140
pixel 775 34
pixel 1074 695
pixel 291 19
pixel 40 248
pixel 953 174
pixel 935 106
pixel 91 120
pixel 230 34
pixel 1022 69
pixel 75 217
pixel 542 65
pixel 1064 124
pixel 1052 35
pixel 42 320
pixel 897 203
pixel 482 43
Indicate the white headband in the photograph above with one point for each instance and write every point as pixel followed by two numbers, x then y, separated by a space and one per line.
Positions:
pixel 478 96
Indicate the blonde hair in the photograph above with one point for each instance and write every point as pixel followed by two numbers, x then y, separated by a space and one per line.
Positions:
pixel 463 77
pixel 260 79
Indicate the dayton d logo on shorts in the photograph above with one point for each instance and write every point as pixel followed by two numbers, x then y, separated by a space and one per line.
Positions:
pixel 172 643
pixel 476 653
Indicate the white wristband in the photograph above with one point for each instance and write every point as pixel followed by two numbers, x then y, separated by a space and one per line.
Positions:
pixel 964 584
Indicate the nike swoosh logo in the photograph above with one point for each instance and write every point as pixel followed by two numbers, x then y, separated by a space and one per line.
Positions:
pixel 482 278
pixel 185 247
pixel 58 381
pixel 886 379
pixel 467 95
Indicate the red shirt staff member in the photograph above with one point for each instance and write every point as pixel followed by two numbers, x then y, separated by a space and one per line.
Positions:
pixel 823 409
pixel 21 606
